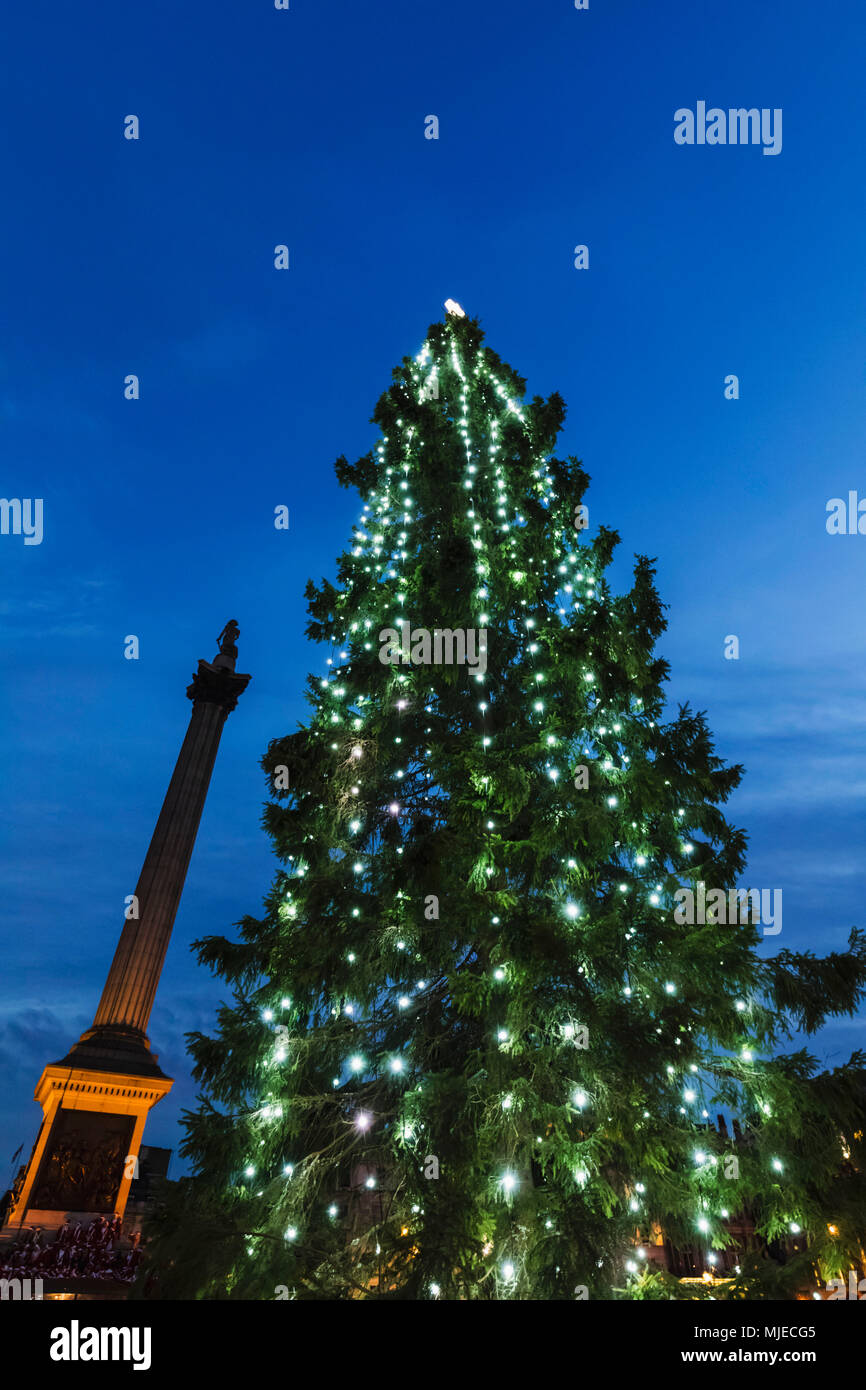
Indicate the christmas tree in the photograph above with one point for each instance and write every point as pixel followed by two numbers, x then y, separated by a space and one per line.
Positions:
pixel 474 1050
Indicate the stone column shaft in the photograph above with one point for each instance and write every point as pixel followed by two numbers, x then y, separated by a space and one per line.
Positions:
pixel 127 998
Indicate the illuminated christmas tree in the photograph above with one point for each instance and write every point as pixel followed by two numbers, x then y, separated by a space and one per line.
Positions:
pixel 473 1053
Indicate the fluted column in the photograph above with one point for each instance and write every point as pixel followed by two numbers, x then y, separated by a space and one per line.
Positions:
pixel 110 1078
pixel 127 998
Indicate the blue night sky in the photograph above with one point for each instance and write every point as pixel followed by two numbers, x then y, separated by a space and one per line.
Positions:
pixel 155 257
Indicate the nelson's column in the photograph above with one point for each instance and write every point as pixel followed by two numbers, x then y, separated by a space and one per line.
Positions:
pixel 95 1101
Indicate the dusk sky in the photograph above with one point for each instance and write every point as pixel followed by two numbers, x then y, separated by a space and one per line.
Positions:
pixel 155 257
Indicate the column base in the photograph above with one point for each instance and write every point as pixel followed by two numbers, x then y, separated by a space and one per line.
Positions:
pixel 94 1106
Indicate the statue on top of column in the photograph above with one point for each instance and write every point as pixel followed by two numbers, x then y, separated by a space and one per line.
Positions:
pixel 228 652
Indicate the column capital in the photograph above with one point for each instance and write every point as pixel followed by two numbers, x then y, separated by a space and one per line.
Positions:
pixel 214 685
